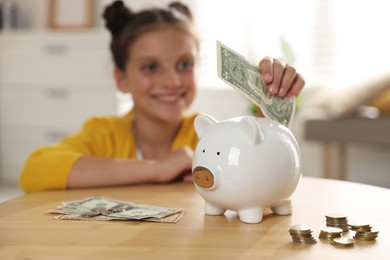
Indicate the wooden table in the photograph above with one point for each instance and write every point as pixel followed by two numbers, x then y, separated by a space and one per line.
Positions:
pixel 28 232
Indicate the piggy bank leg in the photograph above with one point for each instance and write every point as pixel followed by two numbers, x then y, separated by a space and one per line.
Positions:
pixel 253 216
pixel 284 208
pixel 213 210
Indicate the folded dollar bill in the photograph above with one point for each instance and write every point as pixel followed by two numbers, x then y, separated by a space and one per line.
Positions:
pixel 245 77
pixel 102 208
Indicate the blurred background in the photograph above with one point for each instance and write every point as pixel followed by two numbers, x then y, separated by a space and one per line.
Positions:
pixel 56 72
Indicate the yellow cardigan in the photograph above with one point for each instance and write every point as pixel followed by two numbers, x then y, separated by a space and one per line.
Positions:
pixel 111 137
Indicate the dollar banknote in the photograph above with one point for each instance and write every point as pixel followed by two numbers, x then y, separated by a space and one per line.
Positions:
pixel 245 77
pixel 102 208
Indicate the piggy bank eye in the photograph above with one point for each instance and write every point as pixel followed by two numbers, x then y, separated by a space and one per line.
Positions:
pixel 218 153
pixel 204 151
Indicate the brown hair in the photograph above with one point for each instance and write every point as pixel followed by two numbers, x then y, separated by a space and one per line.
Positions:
pixel 126 26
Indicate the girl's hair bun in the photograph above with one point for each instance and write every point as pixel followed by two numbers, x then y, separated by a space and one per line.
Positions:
pixel 180 7
pixel 127 26
pixel 116 16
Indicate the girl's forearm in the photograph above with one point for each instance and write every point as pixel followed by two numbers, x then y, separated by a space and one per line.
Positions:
pixel 98 172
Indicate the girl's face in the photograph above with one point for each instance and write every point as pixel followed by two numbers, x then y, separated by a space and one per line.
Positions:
pixel 160 74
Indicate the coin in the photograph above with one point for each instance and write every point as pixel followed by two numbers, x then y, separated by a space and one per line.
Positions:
pixel 366 235
pixel 337 220
pixel 300 229
pixel 359 225
pixel 343 242
pixel 328 233
pixel 302 234
pixel 305 241
pixel 332 230
pixel 336 216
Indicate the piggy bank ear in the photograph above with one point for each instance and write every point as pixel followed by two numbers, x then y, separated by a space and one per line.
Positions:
pixel 253 129
pixel 203 123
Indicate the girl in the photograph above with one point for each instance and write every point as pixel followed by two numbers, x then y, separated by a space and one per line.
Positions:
pixel 155 53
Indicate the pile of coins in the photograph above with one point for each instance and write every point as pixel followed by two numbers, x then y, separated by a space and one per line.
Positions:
pixel 336 225
pixel 359 226
pixel 302 234
pixel 366 235
pixel 337 221
pixel 329 233
pixel 363 231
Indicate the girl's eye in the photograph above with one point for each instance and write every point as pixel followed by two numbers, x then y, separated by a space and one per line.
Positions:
pixel 184 65
pixel 149 67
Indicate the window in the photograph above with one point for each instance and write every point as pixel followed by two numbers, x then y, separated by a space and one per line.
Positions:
pixel 252 28
pixel 335 43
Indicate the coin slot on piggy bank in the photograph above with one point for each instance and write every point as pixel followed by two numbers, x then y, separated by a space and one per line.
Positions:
pixel 245 164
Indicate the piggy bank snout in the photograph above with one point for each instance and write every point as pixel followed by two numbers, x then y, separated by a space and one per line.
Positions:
pixel 203 177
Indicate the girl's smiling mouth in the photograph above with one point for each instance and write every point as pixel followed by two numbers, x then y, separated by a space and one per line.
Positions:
pixel 168 98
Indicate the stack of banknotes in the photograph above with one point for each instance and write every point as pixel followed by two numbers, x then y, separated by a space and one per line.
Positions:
pixel 101 208
pixel 245 77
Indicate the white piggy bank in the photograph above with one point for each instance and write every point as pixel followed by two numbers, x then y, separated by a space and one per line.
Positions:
pixel 245 164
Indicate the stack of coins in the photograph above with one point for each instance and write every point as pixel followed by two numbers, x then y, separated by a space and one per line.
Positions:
pixel 366 235
pixel 363 231
pixel 302 234
pixel 343 242
pixel 359 226
pixel 328 233
pixel 336 224
pixel 337 221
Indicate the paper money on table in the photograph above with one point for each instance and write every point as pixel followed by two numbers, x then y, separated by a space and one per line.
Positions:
pixel 101 208
pixel 245 77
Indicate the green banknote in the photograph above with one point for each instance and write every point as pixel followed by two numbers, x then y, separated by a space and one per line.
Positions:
pixel 245 77
pixel 101 208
